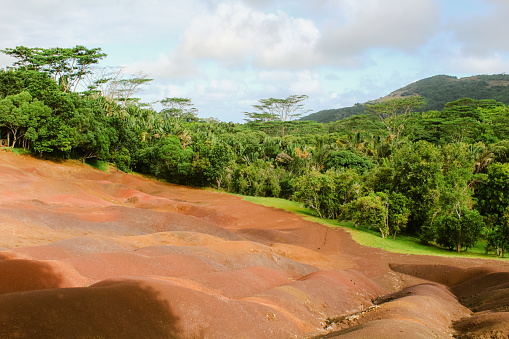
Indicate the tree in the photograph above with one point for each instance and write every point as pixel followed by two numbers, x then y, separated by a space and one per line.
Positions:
pixel 452 222
pixel 482 156
pixel 386 211
pixel 67 66
pixel 492 195
pixel 278 109
pixel 125 88
pixel 450 219
pixel 348 159
pixel 316 190
pixel 103 81
pixel 11 83
pixel 418 176
pixel 498 236
pixel 458 229
pixel 95 133
pixel 164 159
pixel 13 116
pixel 394 112
pixel 219 156
pixel 371 210
pixel 179 109
pixel 461 120
pixel 398 213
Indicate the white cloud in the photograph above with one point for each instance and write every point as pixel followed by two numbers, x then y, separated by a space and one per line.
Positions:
pixel 471 64
pixel 50 23
pixel 6 60
pixel 176 67
pixel 481 34
pixel 286 83
pixel 235 35
pixel 397 24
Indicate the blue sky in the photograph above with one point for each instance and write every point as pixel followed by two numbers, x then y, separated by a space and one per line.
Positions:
pixel 225 55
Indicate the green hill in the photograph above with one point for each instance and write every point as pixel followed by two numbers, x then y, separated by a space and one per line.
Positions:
pixel 437 90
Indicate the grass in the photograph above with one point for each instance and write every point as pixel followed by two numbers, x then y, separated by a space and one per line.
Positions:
pixel 98 164
pixel 20 151
pixel 404 244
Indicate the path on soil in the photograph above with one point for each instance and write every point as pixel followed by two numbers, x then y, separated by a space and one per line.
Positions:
pixel 84 253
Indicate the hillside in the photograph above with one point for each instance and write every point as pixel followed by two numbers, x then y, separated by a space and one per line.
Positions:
pixel 113 255
pixel 437 90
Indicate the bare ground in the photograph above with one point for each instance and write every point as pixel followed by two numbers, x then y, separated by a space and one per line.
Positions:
pixel 89 254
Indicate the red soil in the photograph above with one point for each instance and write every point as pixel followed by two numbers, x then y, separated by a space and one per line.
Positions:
pixel 85 253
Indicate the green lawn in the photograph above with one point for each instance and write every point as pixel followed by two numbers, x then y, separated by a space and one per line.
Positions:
pixel 402 244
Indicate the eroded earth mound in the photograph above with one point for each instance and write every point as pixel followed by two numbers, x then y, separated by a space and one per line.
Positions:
pixel 89 254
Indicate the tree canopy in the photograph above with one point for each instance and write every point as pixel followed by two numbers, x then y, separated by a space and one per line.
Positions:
pixel 278 109
pixel 67 66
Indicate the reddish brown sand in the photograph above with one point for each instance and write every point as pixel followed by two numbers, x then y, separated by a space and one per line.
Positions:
pixel 88 254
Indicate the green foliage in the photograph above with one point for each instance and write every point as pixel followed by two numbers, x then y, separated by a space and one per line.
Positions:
pixel 370 210
pixel 386 211
pixel 14 114
pixel 277 109
pixel 11 83
pixel 317 191
pixel 417 175
pixel 258 179
pixel 179 109
pixel 398 212
pixel 498 235
pixel 492 195
pixel 325 193
pixel 393 113
pixel 493 192
pixel 348 159
pixel 67 66
pixel 122 159
pixel 282 128
pixel 459 230
pixel 166 159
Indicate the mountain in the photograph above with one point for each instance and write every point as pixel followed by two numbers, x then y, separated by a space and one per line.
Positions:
pixel 437 90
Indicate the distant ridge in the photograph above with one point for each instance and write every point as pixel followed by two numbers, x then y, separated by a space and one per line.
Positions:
pixel 437 90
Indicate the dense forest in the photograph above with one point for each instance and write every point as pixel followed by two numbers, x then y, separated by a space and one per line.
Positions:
pixel 442 175
pixel 437 90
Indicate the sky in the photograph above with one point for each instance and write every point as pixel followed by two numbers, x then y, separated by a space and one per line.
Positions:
pixel 226 55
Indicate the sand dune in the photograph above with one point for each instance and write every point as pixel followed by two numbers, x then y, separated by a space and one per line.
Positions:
pixel 89 254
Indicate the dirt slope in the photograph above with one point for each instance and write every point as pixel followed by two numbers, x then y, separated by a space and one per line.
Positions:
pixel 85 253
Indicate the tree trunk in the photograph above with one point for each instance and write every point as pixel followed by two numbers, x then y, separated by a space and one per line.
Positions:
pixel 458 242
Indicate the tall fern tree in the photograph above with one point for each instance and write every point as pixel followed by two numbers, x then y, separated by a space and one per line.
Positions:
pixel 273 109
